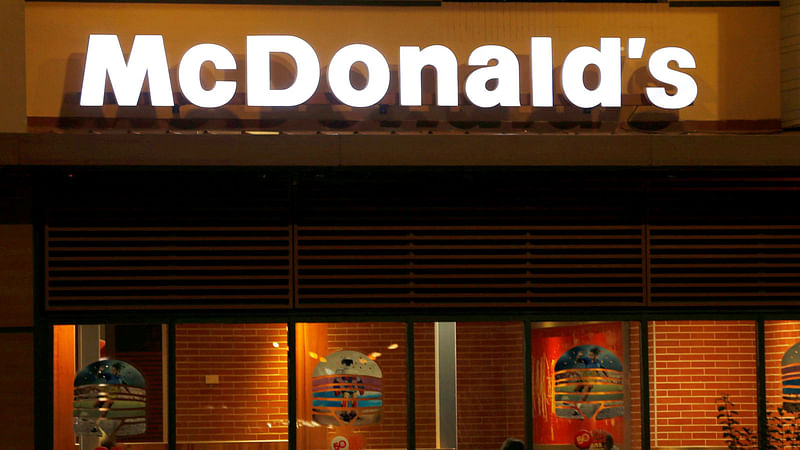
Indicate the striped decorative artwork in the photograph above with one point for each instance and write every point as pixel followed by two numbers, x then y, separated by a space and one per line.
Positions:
pixel 109 400
pixel 589 384
pixel 347 390
pixel 790 378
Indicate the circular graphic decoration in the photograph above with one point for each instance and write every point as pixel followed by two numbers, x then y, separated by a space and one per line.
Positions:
pixel 109 399
pixel 340 443
pixel 790 378
pixel 583 439
pixel 589 384
pixel 347 390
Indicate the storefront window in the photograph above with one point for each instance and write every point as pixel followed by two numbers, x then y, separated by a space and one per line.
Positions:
pixel 782 357
pixel 232 386
pixel 586 384
pixel 700 370
pixel 351 385
pixel 109 386
pixel 468 381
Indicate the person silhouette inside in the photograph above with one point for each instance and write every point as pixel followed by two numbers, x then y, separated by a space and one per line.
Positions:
pixel 513 444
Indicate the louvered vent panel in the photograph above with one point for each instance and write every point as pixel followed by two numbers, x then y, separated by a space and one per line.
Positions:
pixel 710 264
pixel 482 265
pixel 724 237
pixel 396 238
pixel 169 267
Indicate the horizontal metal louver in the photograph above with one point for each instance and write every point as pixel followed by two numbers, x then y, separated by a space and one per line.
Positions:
pixel 381 238
pixel 706 264
pixel 468 265
pixel 167 267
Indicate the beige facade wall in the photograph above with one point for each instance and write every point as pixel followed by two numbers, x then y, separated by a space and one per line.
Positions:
pixel 12 66
pixel 16 310
pixel 790 63
pixel 16 275
pixel 16 390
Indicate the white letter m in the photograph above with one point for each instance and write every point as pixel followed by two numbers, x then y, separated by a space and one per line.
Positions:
pixel 148 57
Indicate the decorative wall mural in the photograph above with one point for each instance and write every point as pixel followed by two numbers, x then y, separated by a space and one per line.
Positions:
pixel 109 400
pixel 347 390
pixel 589 384
pixel 790 378
pixel 579 383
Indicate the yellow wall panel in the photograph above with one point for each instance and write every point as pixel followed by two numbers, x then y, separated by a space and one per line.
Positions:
pixel 736 49
pixel 12 66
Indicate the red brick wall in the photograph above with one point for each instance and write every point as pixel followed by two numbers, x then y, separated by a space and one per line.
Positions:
pixel 691 364
pixel 779 336
pixel 490 366
pixel 634 374
pixel 377 337
pixel 251 400
pixel 150 364
pixel 425 385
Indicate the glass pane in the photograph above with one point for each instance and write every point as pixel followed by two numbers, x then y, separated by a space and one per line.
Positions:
pixel 782 352
pixel 109 386
pixel 586 385
pixel 699 369
pixel 425 385
pixel 351 385
pixel 232 386
pixel 490 378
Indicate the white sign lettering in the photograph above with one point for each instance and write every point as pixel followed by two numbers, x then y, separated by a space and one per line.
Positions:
pixel 684 84
pixel 259 88
pixel 339 75
pixel 412 61
pixel 506 72
pixel 189 75
pixel 495 81
pixel 608 60
pixel 542 71
pixel 104 56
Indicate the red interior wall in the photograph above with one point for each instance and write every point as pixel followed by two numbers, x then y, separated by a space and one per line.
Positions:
pixel 692 363
pixel 251 400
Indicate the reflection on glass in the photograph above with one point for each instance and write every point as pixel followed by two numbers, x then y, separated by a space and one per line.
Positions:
pixel 351 385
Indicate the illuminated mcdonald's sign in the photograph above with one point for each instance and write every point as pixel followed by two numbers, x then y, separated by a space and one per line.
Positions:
pixel 493 63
